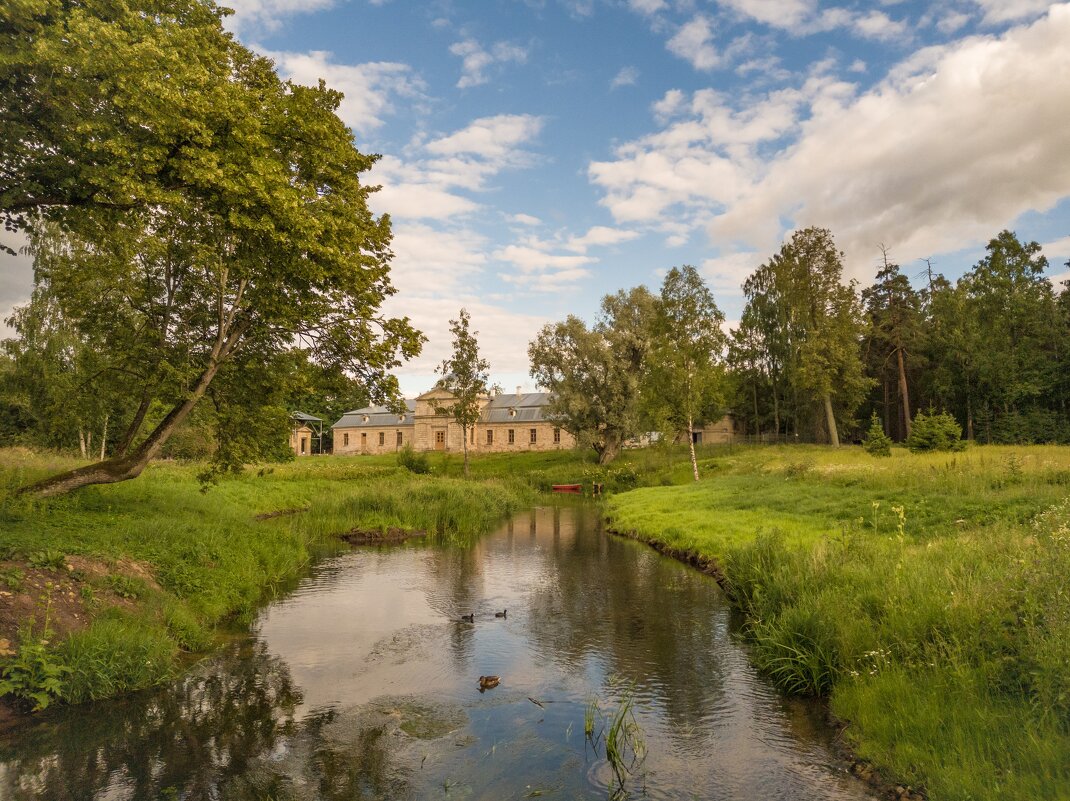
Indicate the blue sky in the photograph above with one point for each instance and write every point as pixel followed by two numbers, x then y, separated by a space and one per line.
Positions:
pixel 538 154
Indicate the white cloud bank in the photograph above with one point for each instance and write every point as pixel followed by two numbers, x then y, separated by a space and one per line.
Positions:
pixel 955 143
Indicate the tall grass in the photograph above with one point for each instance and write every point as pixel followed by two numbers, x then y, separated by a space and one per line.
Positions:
pixel 925 595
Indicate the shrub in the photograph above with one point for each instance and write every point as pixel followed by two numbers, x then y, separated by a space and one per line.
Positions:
pixel 412 461
pixel 876 442
pixel 935 432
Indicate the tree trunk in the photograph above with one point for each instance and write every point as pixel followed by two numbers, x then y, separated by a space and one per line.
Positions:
pixel 104 438
pixel 464 437
pixel 135 426
pixel 691 444
pixel 609 451
pixel 757 424
pixel 81 443
pixel 830 418
pixel 125 467
pixel 903 391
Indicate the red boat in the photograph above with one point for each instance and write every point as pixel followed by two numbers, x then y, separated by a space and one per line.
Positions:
pixel 573 489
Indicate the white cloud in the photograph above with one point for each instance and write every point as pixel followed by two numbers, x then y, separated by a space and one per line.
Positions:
pixel 878 25
pixel 778 13
pixel 496 139
pixel 426 187
pixel 368 88
pixel 952 21
pixel 647 6
pixel 955 143
pixel 726 273
pixel 524 219
pixel 600 236
pixel 1057 251
pixel 475 59
pixel 671 104
pixel 998 11
pixel 268 15
pixel 628 76
pixel 693 42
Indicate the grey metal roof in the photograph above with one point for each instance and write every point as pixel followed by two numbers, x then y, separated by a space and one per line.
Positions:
pixel 306 418
pixel 378 417
pixel 529 408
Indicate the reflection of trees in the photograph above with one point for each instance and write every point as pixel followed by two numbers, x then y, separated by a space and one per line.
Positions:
pixel 649 620
pixel 212 735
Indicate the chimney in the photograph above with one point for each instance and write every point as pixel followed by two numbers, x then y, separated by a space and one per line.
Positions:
pixel 519 394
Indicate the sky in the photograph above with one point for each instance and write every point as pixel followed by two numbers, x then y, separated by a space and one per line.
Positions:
pixel 539 154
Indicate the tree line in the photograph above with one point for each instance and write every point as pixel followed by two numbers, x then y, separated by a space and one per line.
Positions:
pixel 814 356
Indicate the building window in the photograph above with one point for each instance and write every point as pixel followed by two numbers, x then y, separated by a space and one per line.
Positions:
pixel 363 439
pixel 400 438
pixel 382 438
pixel 472 438
pixel 557 435
pixel 511 439
pixel 490 436
pixel 345 439
pixel 534 433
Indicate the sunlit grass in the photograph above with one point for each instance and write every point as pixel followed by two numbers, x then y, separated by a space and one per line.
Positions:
pixel 925 594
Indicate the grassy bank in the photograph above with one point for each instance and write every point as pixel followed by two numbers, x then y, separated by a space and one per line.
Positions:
pixel 103 591
pixel 926 595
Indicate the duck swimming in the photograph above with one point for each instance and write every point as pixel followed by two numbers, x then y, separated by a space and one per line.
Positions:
pixel 469 618
pixel 501 613
pixel 489 682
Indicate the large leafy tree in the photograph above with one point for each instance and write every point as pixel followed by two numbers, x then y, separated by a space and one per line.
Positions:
pixel 806 315
pixel 594 374
pixel 190 213
pixel 685 377
pixel 893 338
pixel 466 376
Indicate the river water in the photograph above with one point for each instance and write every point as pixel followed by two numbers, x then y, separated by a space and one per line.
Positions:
pixel 364 684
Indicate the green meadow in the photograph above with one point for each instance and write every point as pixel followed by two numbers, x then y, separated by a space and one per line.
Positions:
pixel 927 596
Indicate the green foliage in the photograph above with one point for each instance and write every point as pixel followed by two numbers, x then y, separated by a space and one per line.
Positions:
pixel 34 676
pixel 182 240
pixel 413 461
pixel 595 374
pixel 465 376
pixel 12 578
pixel 935 432
pixel 117 654
pixel 876 442
pixel 47 560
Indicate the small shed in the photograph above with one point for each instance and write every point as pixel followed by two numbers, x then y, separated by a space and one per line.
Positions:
pixel 306 434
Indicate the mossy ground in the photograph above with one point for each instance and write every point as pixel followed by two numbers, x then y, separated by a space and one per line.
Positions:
pixel 926 595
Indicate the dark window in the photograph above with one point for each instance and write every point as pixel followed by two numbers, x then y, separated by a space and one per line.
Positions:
pixel 511 440
pixel 345 439
pixel 534 435
pixel 364 440
pixel 490 436
pixel 382 438
pixel 557 435
pixel 399 438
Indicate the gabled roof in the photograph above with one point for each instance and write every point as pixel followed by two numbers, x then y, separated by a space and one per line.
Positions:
pixel 376 417
pixel 528 408
pixel 305 418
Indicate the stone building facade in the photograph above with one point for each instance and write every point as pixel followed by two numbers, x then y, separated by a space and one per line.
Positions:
pixel 514 422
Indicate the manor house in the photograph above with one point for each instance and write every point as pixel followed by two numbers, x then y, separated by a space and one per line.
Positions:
pixel 506 423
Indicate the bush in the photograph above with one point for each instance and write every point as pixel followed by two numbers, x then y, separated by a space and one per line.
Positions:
pixel 935 432
pixel 876 442
pixel 412 461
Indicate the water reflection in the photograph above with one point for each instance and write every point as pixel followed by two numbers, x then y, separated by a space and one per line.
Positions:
pixel 363 684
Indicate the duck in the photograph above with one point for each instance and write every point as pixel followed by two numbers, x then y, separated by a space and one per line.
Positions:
pixel 489 682
pixel 469 618
pixel 502 613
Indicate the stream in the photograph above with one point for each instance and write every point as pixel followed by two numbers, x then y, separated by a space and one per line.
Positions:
pixel 363 683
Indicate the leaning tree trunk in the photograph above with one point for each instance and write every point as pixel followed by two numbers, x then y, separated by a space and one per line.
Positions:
pixel 127 466
pixel 691 444
pixel 903 391
pixel 830 418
